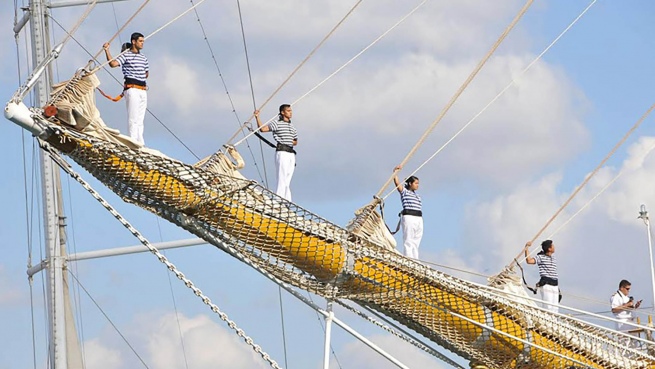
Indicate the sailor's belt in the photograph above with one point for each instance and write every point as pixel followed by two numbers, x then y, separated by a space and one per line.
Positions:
pixel 285 148
pixel 131 85
pixel 416 213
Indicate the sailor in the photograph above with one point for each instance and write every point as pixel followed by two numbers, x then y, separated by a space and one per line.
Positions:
pixel 547 264
pixel 286 136
pixel 411 216
pixel 135 70
pixel 623 305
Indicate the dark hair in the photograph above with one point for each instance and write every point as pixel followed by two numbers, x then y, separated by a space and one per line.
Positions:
pixel 135 36
pixel 624 283
pixel 545 246
pixel 410 180
pixel 126 46
pixel 283 107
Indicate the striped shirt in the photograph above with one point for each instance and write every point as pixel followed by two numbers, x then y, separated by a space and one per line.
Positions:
pixel 410 199
pixel 134 65
pixel 283 132
pixel 547 265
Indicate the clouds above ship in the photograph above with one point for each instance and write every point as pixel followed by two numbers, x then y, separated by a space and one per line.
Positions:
pixel 198 342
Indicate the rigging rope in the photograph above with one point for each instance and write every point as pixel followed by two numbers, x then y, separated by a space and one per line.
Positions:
pixel 343 66
pixel 117 81
pixel 111 322
pixel 501 93
pixel 143 5
pixel 64 165
pixel 461 89
pixel 311 53
pixel 510 266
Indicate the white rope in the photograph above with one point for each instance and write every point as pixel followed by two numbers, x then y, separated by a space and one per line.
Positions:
pixel 458 93
pixel 501 93
pixel 339 69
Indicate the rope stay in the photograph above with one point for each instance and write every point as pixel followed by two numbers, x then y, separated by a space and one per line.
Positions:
pixel 64 165
pixel 302 63
pixel 306 251
pixel 457 94
pixel 501 93
pixel 343 66
pixel 510 266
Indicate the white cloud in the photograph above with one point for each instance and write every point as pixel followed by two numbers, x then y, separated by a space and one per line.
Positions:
pixel 358 355
pixel 199 340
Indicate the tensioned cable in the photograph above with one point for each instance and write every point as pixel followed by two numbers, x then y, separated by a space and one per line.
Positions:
pixel 152 33
pixel 111 322
pixel 227 92
pixel 501 93
pixel 457 94
pixel 63 164
pixel 254 105
pixel 510 266
pixel 311 53
pixel 143 5
pixel 170 286
pixel 610 183
pixel 147 109
pixel 346 64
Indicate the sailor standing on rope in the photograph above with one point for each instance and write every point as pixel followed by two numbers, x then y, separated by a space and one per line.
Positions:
pixel 547 264
pixel 411 216
pixel 285 156
pixel 135 69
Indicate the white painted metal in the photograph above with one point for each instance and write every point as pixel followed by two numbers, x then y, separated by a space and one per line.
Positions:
pixel 328 335
pixel 643 215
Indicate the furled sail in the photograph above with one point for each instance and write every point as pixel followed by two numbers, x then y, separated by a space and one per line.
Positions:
pixel 499 328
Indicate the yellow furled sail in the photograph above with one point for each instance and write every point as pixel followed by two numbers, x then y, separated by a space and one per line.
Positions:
pixel 489 326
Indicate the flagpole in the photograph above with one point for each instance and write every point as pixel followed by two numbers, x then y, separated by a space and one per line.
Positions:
pixel 643 215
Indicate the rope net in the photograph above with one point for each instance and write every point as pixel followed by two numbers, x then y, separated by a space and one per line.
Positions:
pixel 500 328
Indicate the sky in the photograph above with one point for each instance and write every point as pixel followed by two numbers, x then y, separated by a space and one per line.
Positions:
pixel 484 195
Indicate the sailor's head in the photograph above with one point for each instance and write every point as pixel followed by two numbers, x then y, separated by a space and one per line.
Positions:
pixel 411 183
pixel 547 246
pixel 285 112
pixel 137 40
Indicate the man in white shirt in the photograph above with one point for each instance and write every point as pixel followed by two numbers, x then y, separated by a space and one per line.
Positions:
pixel 623 305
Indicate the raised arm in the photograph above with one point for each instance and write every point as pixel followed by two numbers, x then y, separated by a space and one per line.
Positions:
pixel 259 122
pixel 529 259
pixel 396 181
pixel 112 62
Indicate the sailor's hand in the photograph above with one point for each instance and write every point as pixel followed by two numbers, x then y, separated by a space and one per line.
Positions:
pixel 638 304
pixel 528 244
pixel 256 113
pixel 397 168
pixel 105 46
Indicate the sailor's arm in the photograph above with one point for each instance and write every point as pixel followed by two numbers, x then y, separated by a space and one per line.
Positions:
pixel 112 62
pixel 626 306
pixel 396 181
pixel 528 258
pixel 259 123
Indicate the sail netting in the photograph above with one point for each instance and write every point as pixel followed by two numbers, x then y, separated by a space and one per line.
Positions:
pixel 498 328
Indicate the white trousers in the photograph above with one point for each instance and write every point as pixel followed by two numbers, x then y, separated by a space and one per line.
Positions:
pixel 137 102
pixel 412 234
pixel 285 162
pixel 550 295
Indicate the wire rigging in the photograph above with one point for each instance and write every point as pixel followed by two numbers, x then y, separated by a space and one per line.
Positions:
pixel 348 62
pixel 457 94
pixel 501 93
pixel 510 266
pixel 302 63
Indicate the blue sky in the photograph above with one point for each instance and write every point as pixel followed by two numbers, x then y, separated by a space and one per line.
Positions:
pixel 488 192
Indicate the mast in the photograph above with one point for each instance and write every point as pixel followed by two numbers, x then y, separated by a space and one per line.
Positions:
pixel 53 215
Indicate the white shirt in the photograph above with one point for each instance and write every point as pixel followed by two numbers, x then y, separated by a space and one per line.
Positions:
pixel 617 300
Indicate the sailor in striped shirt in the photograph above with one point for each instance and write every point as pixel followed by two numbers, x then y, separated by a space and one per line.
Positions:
pixel 412 215
pixel 547 264
pixel 286 136
pixel 136 70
